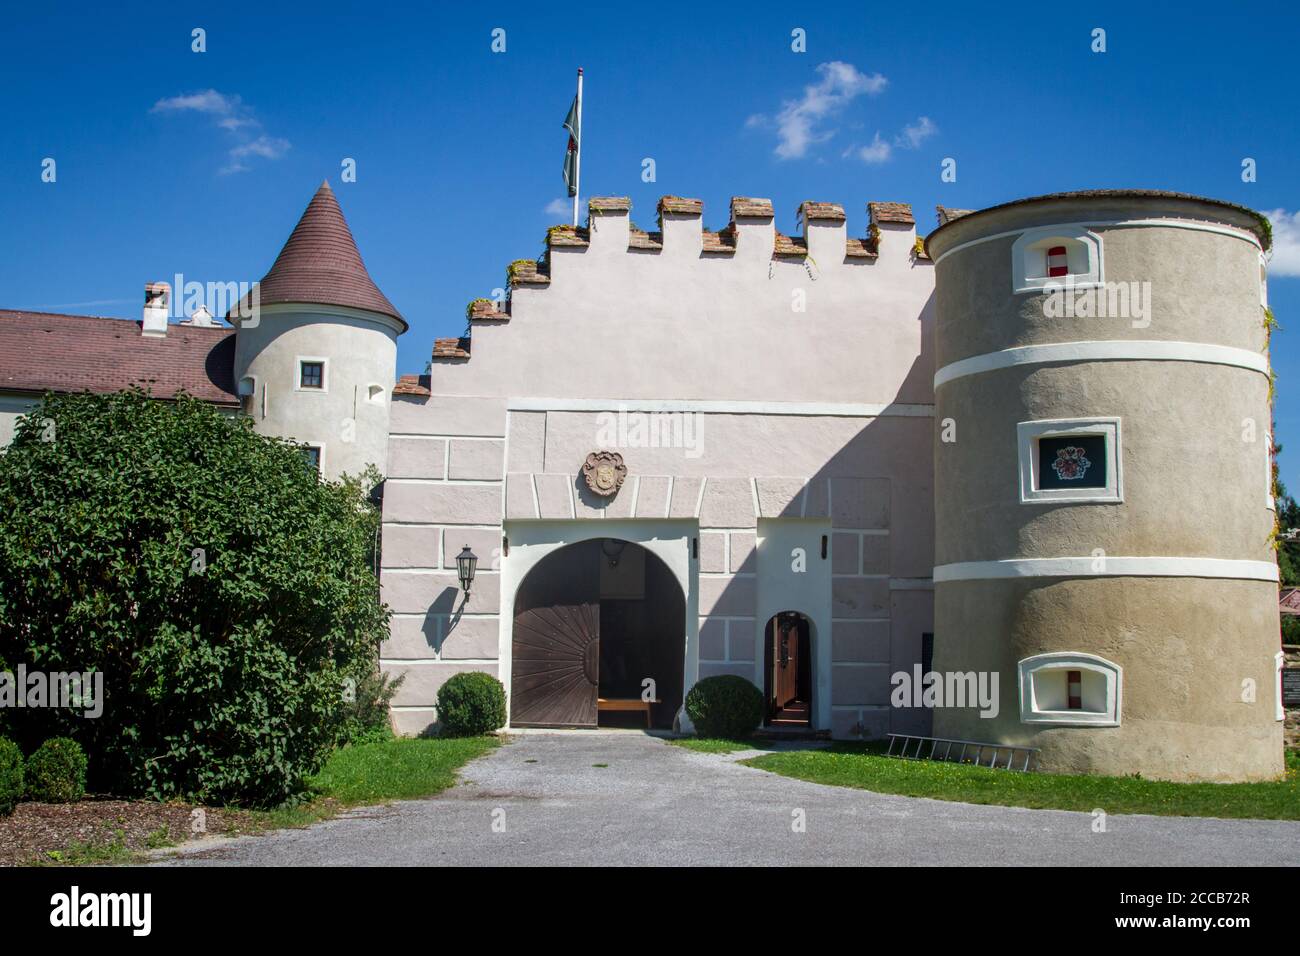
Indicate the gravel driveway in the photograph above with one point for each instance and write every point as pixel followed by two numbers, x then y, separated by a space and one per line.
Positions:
pixel 617 799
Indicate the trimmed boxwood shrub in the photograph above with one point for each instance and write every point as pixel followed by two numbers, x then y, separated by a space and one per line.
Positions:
pixel 226 594
pixel 56 772
pixel 11 776
pixel 471 703
pixel 727 706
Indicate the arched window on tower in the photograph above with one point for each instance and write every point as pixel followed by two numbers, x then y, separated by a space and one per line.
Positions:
pixel 1046 258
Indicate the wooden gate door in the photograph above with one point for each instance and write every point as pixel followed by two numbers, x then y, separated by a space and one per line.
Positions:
pixel 787 662
pixel 555 672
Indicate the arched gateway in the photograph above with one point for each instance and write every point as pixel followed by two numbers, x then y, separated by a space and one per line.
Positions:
pixel 593 622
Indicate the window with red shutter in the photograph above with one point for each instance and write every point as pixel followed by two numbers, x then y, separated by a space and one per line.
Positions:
pixel 1074 689
pixel 1058 263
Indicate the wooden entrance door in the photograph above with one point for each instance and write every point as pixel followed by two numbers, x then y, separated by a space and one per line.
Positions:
pixel 556 666
pixel 785 659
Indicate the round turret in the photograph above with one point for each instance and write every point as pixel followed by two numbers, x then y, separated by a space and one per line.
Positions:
pixel 316 360
pixel 1103 504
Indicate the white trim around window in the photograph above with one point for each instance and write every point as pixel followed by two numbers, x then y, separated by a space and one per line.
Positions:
pixel 298 363
pixel 1083 252
pixel 1028 435
pixel 1041 701
pixel 1279 665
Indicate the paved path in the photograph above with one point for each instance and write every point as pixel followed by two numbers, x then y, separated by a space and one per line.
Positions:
pixel 658 804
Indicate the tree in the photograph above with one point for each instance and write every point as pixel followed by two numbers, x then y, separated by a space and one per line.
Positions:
pixel 226 595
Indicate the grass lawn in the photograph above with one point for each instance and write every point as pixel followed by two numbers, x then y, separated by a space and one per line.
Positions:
pixel 401 769
pixel 96 831
pixel 864 766
pixel 719 745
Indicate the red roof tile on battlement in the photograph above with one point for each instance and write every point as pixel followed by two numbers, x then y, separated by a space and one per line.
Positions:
pixel 46 351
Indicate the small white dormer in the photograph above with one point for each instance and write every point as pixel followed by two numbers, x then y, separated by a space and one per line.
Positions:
pixel 1056 257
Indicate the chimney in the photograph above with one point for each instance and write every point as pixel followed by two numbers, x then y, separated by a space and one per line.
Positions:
pixel 201 318
pixel 157 299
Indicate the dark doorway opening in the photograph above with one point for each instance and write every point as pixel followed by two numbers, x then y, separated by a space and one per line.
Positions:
pixel 787 664
pixel 599 639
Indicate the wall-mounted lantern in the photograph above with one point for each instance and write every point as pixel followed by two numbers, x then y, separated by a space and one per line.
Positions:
pixel 466 562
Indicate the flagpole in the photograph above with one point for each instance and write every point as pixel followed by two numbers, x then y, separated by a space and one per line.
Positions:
pixel 577 163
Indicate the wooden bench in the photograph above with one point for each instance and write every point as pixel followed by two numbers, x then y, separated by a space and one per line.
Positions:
pixel 626 704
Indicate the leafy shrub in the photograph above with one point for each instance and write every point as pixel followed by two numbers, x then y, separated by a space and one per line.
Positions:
pixel 367 719
pixel 1291 628
pixel 225 593
pixel 726 706
pixel 11 776
pixel 56 772
pixel 471 703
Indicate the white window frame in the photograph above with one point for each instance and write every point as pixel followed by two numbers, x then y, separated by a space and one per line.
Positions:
pixel 1279 665
pixel 373 398
pixel 1092 277
pixel 1027 436
pixel 1263 280
pixel 1071 661
pixel 324 374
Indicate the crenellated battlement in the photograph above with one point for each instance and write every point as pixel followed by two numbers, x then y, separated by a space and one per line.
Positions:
pixel 750 236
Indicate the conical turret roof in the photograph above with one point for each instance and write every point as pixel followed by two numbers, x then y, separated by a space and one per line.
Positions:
pixel 320 263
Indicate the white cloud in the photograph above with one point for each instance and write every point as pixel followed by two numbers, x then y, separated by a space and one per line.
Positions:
pixel 265 147
pixel 561 207
pixel 881 151
pixel 1285 259
pixel 800 123
pixel 228 112
pixel 914 134
pixel 878 152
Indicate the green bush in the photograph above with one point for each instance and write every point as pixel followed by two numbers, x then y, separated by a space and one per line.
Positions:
pixel 11 776
pixel 367 720
pixel 56 772
pixel 227 595
pixel 727 706
pixel 471 703
pixel 1291 628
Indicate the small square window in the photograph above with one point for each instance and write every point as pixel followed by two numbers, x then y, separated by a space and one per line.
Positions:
pixel 311 375
pixel 1076 460
pixel 311 455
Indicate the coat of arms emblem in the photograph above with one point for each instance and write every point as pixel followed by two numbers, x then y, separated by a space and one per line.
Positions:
pixel 1071 463
pixel 604 471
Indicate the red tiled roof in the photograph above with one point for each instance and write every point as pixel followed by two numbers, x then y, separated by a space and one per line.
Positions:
pixel 320 263
pixel 44 351
pixel 412 385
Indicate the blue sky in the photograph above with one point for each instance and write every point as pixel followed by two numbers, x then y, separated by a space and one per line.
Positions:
pixel 459 149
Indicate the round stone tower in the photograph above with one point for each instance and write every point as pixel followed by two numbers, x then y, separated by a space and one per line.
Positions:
pixel 1103 503
pixel 316 360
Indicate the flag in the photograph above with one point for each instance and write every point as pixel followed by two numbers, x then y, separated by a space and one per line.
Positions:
pixel 571 155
